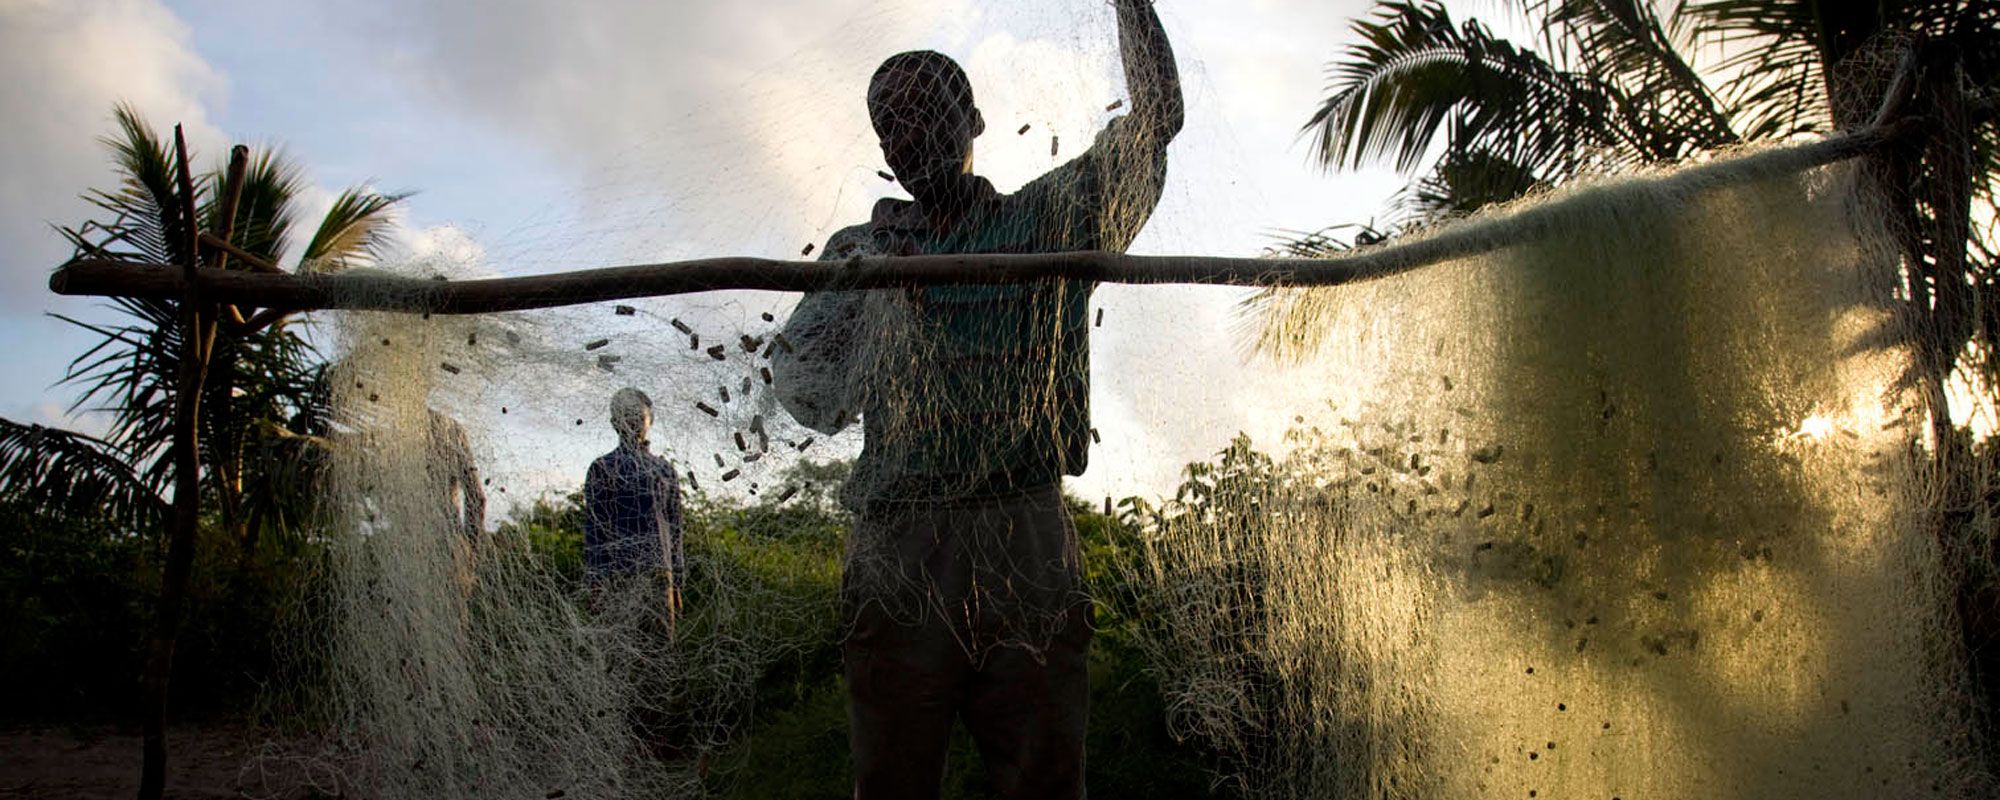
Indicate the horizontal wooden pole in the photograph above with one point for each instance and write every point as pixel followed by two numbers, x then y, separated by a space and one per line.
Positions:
pixel 376 292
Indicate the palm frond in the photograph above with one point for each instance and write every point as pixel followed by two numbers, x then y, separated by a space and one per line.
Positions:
pixel 268 377
pixel 144 218
pixel 1465 181
pixel 131 373
pixel 1776 88
pixel 1325 242
pixel 64 472
pixel 353 232
pixel 1625 43
pixel 1809 67
pixel 148 189
pixel 1289 322
pixel 265 207
pixel 1414 72
pixel 287 470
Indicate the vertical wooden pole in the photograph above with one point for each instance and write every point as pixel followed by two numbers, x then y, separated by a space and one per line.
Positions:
pixel 197 341
pixel 227 458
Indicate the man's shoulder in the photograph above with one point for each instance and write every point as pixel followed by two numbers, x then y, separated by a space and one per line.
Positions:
pixel 890 214
pixel 853 240
pixel 604 463
pixel 627 464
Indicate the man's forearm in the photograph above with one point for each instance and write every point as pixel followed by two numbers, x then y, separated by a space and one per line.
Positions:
pixel 1150 73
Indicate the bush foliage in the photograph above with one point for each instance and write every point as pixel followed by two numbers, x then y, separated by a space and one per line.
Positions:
pixel 76 598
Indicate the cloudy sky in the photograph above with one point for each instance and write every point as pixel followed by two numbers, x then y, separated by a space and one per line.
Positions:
pixel 544 135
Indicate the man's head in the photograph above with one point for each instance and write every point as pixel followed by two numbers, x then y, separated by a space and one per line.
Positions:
pixel 921 105
pixel 631 414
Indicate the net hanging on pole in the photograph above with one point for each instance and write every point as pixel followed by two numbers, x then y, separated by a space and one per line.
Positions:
pixel 1619 508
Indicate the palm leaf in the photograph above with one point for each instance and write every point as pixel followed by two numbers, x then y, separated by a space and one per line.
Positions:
pixel 1287 322
pixel 149 193
pixel 68 473
pixel 1625 43
pixel 1415 72
pixel 1465 181
pixel 353 232
pixel 144 212
pixel 1776 81
pixel 265 205
pixel 1802 66
pixel 288 468
pixel 131 374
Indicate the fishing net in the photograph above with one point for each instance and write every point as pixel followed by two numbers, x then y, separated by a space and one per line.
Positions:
pixel 1627 510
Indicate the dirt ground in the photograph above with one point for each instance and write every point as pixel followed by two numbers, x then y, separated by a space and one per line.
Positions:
pixel 203 762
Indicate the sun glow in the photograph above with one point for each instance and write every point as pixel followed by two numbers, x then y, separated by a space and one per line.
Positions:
pixel 1816 427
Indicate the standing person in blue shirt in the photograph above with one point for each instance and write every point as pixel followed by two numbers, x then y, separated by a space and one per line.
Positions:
pixel 632 508
pixel 962 586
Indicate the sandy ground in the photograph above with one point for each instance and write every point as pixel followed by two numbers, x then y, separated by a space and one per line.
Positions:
pixel 207 761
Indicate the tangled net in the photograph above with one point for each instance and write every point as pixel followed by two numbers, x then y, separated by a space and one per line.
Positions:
pixel 1625 511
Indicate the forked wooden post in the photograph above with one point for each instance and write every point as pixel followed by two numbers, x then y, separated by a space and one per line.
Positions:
pixel 198 321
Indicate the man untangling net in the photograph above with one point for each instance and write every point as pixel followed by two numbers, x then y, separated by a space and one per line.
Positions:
pixel 963 586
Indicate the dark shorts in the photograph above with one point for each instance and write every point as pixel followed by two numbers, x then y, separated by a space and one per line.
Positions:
pixel 973 611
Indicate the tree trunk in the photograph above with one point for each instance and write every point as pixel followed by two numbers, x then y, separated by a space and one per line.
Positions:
pixel 180 555
pixel 1929 185
pixel 252 528
pixel 198 335
pixel 197 343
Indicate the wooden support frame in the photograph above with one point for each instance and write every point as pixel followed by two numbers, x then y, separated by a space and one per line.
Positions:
pixel 211 295
pixel 386 293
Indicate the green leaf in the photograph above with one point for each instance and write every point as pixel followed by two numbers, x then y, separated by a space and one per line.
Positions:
pixel 353 232
pixel 69 473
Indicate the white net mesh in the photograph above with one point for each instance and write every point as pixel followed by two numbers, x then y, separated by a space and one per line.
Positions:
pixel 1624 512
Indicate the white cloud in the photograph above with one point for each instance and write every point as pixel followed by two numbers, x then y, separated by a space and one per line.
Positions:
pixel 708 129
pixel 459 255
pixel 739 129
pixel 56 416
pixel 67 63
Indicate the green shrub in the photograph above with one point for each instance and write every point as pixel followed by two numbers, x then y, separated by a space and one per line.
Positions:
pixel 76 605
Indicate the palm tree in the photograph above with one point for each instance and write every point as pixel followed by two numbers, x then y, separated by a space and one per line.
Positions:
pixel 264 382
pixel 1615 83
pixel 185 402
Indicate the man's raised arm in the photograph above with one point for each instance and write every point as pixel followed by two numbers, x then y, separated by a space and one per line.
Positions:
pixel 1150 74
pixel 1115 184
